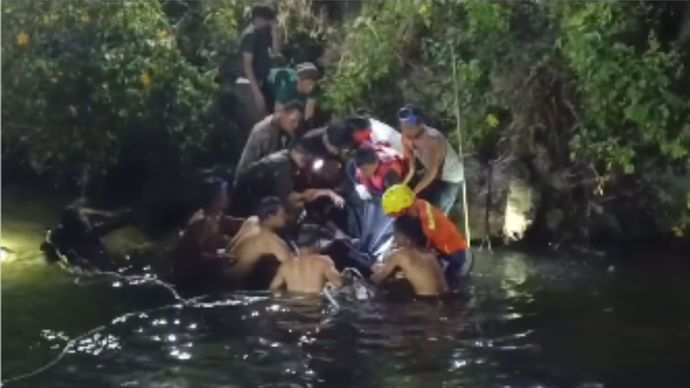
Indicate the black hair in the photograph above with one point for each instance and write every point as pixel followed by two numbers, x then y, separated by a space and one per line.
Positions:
pixel 268 207
pixel 292 106
pixel 212 189
pixel 411 228
pixel 365 155
pixel 339 135
pixel 263 12
pixel 357 123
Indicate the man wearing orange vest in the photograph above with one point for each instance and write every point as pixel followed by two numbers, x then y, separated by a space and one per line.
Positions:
pixel 442 234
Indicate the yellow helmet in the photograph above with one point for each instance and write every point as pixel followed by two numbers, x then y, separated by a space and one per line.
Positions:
pixel 397 199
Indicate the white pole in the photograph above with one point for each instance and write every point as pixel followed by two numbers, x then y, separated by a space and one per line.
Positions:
pixel 460 155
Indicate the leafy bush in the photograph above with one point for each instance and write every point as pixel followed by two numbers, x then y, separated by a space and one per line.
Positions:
pixel 80 77
pixel 370 54
pixel 634 112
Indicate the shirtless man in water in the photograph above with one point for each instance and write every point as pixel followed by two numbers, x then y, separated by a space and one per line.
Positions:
pixel 307 274
pixel 200 256
pixel 258 238
pixel 418 266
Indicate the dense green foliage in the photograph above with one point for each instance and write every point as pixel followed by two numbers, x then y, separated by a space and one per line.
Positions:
pixel 596 92
pixel 80 78
pixel 633 108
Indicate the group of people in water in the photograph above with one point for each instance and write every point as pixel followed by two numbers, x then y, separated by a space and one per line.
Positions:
pixel 305 204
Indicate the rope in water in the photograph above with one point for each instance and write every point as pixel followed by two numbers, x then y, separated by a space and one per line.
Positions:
pixel 70 344
pixel 135 280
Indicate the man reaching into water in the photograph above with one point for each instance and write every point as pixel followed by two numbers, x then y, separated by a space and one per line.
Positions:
pixel 417 265
pixel 307 274
pixel 258 238
pixel 200 254
pixel 399 200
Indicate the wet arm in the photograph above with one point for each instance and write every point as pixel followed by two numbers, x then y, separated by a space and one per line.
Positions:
pixel 434 161
pixel 384 272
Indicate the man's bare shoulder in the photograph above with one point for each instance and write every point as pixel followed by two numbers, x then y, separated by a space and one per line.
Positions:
pixel 317 258
pixel 251 221
pixel 196 218
pixel 400 253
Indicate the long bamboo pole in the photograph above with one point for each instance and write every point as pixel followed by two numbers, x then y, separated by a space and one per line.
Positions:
pixel 460 155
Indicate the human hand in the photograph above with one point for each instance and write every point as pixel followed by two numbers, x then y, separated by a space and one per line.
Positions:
pixel 337 199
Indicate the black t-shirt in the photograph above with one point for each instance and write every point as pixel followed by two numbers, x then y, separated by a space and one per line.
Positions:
pixel 257 43
pixel 273 175
pixel 313 142
pixel 330 174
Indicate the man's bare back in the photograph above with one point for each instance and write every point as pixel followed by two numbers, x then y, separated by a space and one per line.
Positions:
pixel 307 274
pixel 421 269
pixel 251 244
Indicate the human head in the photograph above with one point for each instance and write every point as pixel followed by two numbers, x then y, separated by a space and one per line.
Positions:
pixel 299 154
pixel 310 240
pixel 215 196
pixel 262 16
pixel 408 232
pixel 272 213
pixel 339 137
pixel 397 200
pixel 307 75
pixel 411 120
pixel 367 161
pixel 359 128
pixel 290 117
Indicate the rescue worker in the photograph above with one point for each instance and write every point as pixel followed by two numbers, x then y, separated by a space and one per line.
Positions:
pixel 442 234
pixel 275 175
pixel 410 256
pixel 270 135
pixel 443 170
pixel 258 239
pixel 286 85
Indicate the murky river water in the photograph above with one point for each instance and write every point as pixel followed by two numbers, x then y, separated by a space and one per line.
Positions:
pixel 523 320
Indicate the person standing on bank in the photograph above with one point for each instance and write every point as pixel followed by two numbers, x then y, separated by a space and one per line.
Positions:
pixel 443 170
pixel 286 84
pixel 256 42
pixel 270 135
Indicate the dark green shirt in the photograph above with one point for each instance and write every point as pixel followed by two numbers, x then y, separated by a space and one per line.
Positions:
pixel 282 82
